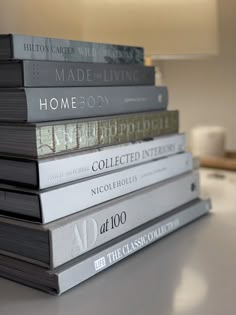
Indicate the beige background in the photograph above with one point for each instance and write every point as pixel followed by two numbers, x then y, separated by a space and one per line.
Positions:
pixel 205 90
pixel 55 18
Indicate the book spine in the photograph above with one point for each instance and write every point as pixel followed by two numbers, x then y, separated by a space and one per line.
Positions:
pixel 72 239
pixel 43 48
pixel 5 47
pixel 48 74
pixel 84 194
pixel 122 249
pixel 78 135
pixel 52 172
pixel 46 104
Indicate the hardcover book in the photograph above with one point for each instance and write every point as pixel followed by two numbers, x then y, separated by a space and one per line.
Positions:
pixel 48 139
pixel 30 73
pixel 51 204
pixel 46 104
pixel 16 47
pixel 56 243
pixel 69 275
pixel 50 172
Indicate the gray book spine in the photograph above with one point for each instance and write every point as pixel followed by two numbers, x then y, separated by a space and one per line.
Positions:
pixel 85 269
pixel 43 48
pixel 87 193
pixel 46 104
pixel 48 74
pixel 64 169
pixel 71 239
pixel 73 273
pixel 57 137
pixel 76 135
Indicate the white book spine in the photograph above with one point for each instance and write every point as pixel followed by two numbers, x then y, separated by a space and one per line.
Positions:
pixel 63 201
pixel 76 237
pixel 109 256
pixel 61 170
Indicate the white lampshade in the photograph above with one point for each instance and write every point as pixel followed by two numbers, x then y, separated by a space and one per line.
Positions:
pixel 163 27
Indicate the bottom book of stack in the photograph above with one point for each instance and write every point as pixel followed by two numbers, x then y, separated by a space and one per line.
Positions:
pixel 62 278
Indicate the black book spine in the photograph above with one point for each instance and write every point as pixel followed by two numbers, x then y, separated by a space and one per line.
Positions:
pixel 46 73
pixel 46 104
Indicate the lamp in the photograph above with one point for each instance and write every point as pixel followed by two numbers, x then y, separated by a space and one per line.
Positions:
pixel 165 28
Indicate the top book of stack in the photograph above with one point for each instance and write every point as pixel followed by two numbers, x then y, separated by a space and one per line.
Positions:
pixel 23 47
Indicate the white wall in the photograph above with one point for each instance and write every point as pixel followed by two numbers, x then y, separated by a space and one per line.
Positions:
pixel 205 90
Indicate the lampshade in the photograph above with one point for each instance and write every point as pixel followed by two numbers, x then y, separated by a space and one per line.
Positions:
pixel 163 27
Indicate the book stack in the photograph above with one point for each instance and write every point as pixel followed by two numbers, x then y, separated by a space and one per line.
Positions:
pixel 92 166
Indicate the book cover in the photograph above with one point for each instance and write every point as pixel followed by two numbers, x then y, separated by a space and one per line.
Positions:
pixel 47 104
pixel 71 274
pixel 51 204
pixel 56 243
pixel 15 46
pixel 52 138
pixel 30 73
pixel 49 172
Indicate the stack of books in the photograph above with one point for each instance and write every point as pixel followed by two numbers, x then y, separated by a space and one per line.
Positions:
pixel 92 166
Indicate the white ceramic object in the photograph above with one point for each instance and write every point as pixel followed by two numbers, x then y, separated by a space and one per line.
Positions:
pixel 208 141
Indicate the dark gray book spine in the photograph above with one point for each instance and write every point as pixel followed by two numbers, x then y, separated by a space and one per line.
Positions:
pixel 43 48
pixel 135 242
pixel 46 73
pixel 46 104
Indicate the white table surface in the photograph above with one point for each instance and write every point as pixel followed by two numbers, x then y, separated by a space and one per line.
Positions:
pixel 191 272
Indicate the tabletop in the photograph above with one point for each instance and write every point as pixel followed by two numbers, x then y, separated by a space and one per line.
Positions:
pixel 189 272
